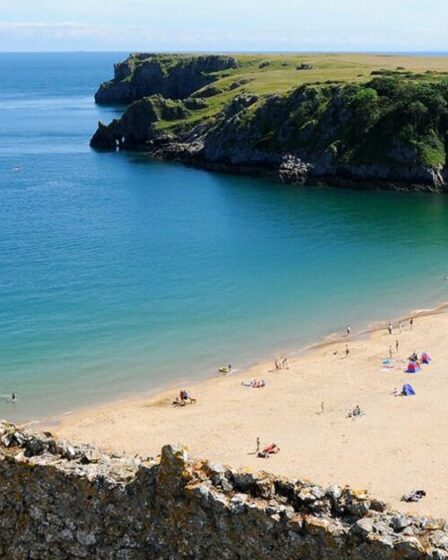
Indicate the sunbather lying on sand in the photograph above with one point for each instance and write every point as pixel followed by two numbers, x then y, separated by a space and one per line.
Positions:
pixel 268 450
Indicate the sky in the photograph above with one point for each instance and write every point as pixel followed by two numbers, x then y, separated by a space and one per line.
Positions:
pixel 224 25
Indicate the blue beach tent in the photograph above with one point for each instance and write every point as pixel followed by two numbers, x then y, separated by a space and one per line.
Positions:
pixel 408 390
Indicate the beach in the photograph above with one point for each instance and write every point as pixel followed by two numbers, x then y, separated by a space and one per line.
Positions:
pixel 398 444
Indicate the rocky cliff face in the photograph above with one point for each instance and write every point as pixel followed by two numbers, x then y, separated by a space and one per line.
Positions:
pixel 387 133
pixel 63 502
pixel 173 76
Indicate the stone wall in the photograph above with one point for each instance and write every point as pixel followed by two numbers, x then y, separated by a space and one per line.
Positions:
pixel 59 501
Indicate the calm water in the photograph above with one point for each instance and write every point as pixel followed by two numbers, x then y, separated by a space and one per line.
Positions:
pixel 118 274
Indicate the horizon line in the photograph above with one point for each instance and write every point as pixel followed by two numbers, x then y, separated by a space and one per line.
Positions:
pixel 232 51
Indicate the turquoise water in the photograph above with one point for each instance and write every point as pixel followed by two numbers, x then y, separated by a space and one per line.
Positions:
pixel 118 274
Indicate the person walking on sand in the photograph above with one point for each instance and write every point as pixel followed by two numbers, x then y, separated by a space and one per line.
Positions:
pixel 390 351
pixel 258 445
pixel 397 345
pixel 389 327
pixel 347 351
pixel 411 322
pixel 400 326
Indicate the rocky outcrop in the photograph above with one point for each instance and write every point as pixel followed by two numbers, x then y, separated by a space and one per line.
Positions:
pixel 68 502
pixel 136 127
pixel 173 76
pixel 384 134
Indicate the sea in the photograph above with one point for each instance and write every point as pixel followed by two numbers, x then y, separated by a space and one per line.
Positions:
pixel 121 275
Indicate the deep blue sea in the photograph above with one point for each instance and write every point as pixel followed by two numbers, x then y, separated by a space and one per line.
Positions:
pixel 118 274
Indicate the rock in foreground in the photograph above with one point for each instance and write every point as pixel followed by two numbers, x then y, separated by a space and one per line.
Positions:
pixel 64 502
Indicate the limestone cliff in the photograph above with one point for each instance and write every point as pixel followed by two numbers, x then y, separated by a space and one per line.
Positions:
pixel 173 76
pixel 61 502
pixel 390 132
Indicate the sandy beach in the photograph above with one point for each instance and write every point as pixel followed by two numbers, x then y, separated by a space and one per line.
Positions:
pixel 397 445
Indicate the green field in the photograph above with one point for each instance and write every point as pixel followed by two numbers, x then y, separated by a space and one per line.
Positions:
pixel 265 75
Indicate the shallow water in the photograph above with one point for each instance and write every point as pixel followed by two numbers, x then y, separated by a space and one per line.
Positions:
pixel 118 274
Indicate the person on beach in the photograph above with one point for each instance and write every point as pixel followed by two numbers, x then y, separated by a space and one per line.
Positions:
pixel 411 322
pixel 347 351
pixel 400 324
pixel 390 351
pixel 183 398
pixel 258 445
pixel 13 397
pixel 269 450
pixel 285 363
pixel 389 327
pixel 397 345
pixel 413 357
pixel 349 330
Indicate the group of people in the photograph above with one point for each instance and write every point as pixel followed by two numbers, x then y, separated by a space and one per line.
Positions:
pixel 255 384
pixel 183 399
pixel 354 412
pixel 281 364
pixel 390 328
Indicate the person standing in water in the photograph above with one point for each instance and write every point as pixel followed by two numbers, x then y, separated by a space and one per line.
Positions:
pixel 13 397
pixel 349 330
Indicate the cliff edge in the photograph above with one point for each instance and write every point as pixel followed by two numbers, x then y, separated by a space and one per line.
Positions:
pixel 60 502
pixel 173 76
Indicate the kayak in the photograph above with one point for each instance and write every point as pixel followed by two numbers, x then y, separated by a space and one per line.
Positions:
pixel 224 370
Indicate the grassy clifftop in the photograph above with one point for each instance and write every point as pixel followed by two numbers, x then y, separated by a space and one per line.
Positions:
pixel 360 117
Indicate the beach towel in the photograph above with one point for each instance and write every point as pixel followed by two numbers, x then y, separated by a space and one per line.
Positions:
pixel 408 390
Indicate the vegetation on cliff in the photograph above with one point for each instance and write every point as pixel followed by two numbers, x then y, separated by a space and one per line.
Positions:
pixel 330 116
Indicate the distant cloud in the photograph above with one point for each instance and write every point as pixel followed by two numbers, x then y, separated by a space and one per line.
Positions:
pixel 309 34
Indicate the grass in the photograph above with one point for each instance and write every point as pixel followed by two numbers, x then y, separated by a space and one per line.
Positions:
pixel 281 75
pixel 392 108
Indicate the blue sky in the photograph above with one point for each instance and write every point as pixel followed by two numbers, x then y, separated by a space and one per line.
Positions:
pixel 225 25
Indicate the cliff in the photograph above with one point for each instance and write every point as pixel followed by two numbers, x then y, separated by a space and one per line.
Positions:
pixel 174 76
pixel 65 502
pixel 388 131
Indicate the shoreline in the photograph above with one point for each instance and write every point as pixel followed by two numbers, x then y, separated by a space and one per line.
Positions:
pixel 341 180
pixel 54 421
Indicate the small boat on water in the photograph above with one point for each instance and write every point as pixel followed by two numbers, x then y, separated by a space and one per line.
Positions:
pixel 225 369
